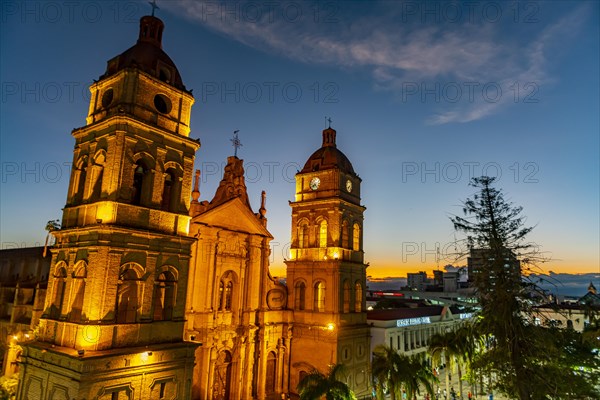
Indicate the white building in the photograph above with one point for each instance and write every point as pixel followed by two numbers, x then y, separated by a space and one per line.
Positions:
pixel 409 329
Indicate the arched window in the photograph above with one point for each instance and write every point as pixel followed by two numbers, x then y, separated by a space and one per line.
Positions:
pixel 228 295
pixel 300 295
pixel 356 237
pixel 303 235
pixel 222 376
pixel 220 294
pixel 60 280
pixel 226 291
pixel 164 296
pixel 345 234
pixel 347 292
pixel 319 297
pixel 141 181
pixel 127 297
pixel 323 234
pixel 358 297
pixel 271 376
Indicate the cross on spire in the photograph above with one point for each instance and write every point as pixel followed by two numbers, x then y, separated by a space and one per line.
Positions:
pixel 154 6
pixel 236 142
pixel 328 121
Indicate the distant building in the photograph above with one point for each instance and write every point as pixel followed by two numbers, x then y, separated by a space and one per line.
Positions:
pixel 417 281
pixel 570 315
pixel 23 284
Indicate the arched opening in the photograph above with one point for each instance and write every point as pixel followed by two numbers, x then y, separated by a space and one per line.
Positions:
pixel 300 295
pixel 60 281
pixel 303 236
pixel 345 234
pixel 346 301
pixel 323 234
pixel 222 376
pixel 164 296
pixel 167 191
pixel 171 190
pixel 221 290
pixel 271 377
pixel 78 291
pixel 319 297
pixel 80 175
pixel 98 174
pixel 77 304
pixel 141 183
pixel 356 237
pixel 228 295
pixel 358 297
pixel 127 297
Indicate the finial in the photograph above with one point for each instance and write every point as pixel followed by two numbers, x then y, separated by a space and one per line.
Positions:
pixel 196 191
pixel 154 6
pixel 329 121
pixel 236 142
pixel 263 204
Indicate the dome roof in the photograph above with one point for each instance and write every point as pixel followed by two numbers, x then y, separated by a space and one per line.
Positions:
pixel 328 156
pixel 147 55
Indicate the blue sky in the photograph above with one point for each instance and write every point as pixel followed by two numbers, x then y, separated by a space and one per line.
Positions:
pixel 423 96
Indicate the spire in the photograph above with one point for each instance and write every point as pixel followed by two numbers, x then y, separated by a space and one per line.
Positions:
pixel 196 191
pixel 232 185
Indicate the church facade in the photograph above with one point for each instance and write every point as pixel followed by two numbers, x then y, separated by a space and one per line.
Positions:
pixel 156 294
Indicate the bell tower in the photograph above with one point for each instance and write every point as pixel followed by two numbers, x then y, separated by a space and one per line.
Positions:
pixel 113 320
pixel 326 273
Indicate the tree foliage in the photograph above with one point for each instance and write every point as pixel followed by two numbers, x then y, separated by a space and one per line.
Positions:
pixel 315 385
pixel 392 372
pixel 526 360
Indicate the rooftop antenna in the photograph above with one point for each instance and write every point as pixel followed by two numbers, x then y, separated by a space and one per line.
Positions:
pixel 236 142
pixel 154 6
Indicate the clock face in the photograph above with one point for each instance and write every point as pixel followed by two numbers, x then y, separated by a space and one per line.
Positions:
pixel 349 185
pixel 314 183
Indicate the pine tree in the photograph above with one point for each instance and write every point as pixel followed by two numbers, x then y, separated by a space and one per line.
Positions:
pixel 527 361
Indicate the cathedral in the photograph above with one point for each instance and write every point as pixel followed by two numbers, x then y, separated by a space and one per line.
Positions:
pixel 154 293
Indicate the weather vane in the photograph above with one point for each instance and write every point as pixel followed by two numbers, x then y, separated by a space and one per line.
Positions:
pixel 328 121
pixel 236 142
pixel 154 6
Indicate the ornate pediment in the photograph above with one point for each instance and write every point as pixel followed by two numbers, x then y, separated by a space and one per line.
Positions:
pixel 233 215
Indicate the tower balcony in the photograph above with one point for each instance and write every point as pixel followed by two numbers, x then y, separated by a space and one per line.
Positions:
pixel 326 254
pixel 127 215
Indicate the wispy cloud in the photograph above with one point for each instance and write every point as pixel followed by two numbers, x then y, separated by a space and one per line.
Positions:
pixel 476 68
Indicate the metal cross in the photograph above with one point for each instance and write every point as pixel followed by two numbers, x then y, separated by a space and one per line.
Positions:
pixel 236 142
pixel 328 120
pixel 154 6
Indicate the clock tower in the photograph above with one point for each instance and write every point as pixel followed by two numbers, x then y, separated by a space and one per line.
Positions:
pixel 113 319
pixel 326 273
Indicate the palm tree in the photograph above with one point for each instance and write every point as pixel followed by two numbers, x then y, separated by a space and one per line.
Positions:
pixel 51 226
pixel 416 373
pixel 396 371
pixel 444 344
pixel 385 366
pixel 315 385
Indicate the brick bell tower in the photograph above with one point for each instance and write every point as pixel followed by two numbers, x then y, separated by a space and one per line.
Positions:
pixel 326 273
pixel 113 322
